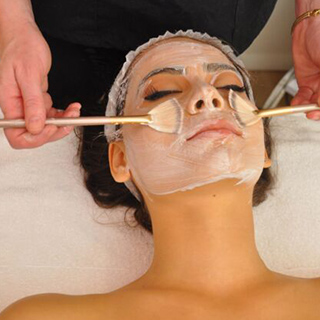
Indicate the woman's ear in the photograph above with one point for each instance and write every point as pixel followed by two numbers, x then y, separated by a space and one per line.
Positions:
pixel 118 162
pixel 267 160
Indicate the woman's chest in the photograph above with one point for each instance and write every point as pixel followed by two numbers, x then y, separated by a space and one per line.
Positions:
pixel 289 305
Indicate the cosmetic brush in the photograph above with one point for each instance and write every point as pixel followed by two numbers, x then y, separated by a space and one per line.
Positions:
pixel 166 117
pixel 247 114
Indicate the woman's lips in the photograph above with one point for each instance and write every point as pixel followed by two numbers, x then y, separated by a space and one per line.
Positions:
pixel 212 133
pixel 216 128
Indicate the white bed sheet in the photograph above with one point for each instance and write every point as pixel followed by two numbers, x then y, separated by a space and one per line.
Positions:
pixel 52 241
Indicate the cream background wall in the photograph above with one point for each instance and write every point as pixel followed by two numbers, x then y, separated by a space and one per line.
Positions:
pixel 271 50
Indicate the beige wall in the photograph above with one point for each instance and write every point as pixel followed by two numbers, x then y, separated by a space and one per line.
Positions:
pixel 271 50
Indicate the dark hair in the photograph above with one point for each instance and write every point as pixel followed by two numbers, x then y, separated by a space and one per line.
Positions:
pixel 107 193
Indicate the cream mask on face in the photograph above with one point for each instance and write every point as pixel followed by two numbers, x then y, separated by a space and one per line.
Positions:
pixel 199 76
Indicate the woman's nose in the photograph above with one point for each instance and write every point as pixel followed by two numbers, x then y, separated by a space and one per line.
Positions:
pixel 205 101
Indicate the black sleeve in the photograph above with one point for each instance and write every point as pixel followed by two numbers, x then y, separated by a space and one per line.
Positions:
pixel 125 24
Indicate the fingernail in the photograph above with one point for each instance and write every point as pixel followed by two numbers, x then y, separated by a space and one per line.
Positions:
pixel 29 137
pixel 78 107
pixel 316 117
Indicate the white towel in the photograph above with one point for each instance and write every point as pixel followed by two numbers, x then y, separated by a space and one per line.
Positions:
pixel 287 225
pixel 51 240
pixel 50 237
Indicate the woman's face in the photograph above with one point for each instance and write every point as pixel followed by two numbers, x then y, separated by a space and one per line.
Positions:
pixel 199 76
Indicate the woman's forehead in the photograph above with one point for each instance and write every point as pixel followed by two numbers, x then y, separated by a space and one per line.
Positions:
pixel 178 52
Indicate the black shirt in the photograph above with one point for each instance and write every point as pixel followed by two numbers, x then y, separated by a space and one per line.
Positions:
pixel 126 24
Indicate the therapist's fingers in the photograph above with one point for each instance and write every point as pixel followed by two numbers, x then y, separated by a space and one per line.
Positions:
pixel 55 133
pixel 306 96
pixel 313 115
pixel 73 111
pixel 50 133
pixel 59 113
pixel 303 96
pixel 16 136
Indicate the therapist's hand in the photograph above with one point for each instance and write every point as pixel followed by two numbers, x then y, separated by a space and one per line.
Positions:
pixel 25 61
pixel 306 58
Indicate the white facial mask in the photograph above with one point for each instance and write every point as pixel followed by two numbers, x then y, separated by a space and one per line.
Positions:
pixel 163 163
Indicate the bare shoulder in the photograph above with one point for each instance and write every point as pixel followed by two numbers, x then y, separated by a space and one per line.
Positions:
pixel 41 306
pixel 296 297
pixel 57 306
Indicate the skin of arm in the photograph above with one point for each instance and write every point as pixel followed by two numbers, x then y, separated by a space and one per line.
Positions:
pixel 25 63
pixel 303 6
pixel 13 14
pixel 305 52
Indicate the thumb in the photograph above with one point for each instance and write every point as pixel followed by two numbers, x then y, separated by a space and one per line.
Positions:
pixel 33 103
pixel 303 96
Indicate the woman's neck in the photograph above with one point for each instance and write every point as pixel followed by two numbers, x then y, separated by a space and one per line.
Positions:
pixel 204 240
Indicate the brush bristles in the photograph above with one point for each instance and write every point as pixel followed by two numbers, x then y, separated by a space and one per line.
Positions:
pixel 167 117
pixel 245 112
